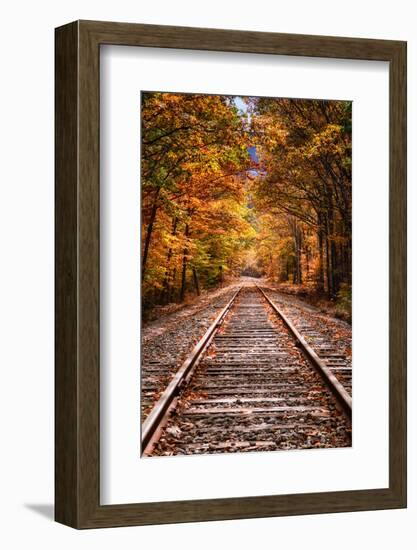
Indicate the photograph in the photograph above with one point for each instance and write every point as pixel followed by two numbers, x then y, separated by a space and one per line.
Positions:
pixel 230 245
pixel 208 272
pixel 246 274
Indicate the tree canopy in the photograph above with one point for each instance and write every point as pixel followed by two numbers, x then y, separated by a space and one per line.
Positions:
pixel 262 189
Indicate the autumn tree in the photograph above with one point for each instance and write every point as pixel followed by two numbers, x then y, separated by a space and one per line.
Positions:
pixel 304 148
pixel 261 190
pixel 193 162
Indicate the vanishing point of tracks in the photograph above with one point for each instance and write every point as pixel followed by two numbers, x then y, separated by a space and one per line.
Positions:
pixel 252 383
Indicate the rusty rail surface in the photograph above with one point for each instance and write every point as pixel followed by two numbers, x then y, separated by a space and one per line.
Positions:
pixel 332 382
pixel 152 424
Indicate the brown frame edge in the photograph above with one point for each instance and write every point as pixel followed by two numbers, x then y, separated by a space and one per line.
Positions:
pixel 77 379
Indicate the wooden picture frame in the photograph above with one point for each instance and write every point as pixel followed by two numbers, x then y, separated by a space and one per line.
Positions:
pixel 77 405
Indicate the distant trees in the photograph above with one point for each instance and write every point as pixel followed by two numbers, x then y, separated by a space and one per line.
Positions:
pixel 303 193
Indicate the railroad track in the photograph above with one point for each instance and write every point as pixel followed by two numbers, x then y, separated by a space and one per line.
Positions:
pixel 164 351
pixel 252 383
pixel 318 335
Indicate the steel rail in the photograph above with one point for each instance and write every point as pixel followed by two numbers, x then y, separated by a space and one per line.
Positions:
pixel 332 382
pixel 183 375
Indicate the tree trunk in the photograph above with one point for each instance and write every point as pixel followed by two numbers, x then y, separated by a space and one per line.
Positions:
pixel 299 246
pixel 149 232
pixel 171 288
pixel 297 276
pixel 195 278
pixel 184 265
pixel 329 262
pixel 334 260
pixel 320 285
pixel 307 253
pixel 166 283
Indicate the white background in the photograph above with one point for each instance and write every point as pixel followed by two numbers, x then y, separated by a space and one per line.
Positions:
pixel 127 478
pixel 26 273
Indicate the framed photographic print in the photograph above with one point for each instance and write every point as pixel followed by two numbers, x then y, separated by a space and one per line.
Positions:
pixel 230 274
